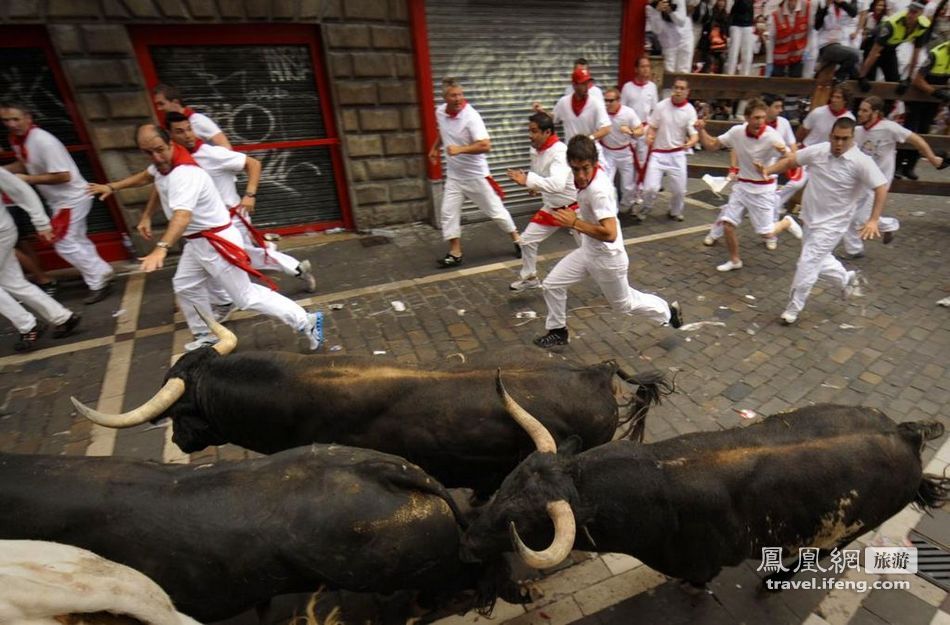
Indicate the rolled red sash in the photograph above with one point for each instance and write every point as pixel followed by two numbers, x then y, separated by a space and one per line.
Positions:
pixel 495 187
pixel 544 218
pixel 232 253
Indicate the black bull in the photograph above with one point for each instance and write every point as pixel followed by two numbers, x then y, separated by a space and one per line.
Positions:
pixel 448 421
pixel 814 477
pixel 221 538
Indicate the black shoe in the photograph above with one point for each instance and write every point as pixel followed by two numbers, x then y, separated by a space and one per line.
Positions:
pixel 518 252
pixel 887 237
pixel 450 261
pixel 908 172
pixel 676 315
pixel 849 256
pixel 50 287
pixel 28 339
pixel 67 327
pixel 97 295
pixel 558 336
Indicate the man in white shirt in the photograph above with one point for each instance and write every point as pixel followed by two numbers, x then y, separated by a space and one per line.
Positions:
pixel 42 160
pixel 215 249
pixel 618 147
pixel 878 138
pixel 601 254
pixel 168 99
pixel 551 177
pixel 672 26
pixel 592 89
pixel 465 138
pixel 14 287
pixel 671 135
pixel 839 178
pixel 641 95
pixel 752 142
pixel 578 111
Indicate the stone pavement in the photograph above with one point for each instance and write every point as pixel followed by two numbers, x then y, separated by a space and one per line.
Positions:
pixel 887 349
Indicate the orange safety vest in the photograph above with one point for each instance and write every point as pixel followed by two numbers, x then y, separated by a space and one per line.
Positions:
pixel 791 37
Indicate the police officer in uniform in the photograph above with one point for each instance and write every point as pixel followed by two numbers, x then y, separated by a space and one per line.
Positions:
pixel 907 25
pixel 930 79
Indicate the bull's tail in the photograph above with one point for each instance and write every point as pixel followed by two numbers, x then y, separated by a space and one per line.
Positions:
pixel 933 492
pixel 652 387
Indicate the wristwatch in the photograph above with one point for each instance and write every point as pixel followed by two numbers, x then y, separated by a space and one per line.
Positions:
pixel 163 245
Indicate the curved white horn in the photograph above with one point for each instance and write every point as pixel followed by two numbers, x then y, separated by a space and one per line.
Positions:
pixel 564 532
pixel 227 340
pixel 535 429
pixel 159 403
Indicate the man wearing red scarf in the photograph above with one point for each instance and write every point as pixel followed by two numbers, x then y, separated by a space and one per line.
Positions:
pixel 42 160
pixel 215 250
pixel 168 99
pixel 641 95
pixel 466 141
pixel 580 112
pixel 551 177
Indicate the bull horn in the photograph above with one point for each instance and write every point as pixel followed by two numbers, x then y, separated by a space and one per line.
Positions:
pixel 227 340
pixel 535 429
pixel 162 400
pixel 564 531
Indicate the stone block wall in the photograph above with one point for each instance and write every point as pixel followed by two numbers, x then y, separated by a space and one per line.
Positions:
pixel 367 58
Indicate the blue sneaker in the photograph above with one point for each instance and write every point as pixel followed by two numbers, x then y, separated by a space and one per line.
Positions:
pixel 315 330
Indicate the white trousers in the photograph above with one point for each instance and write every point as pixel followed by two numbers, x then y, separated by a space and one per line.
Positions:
pixel 14 286
pixel 673 164
pixel 678 51
pixel 610 274
pixel 77 250
pixel 531 238
pixel 759 206
pixel 741 43
pixel 852 238
pixel 621 161
pixel 816 261
pixel 201 264
pixel 456 191
pixel 273 261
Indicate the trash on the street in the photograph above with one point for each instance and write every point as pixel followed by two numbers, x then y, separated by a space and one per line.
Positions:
pixel 696 325
pixel 747 413
pixel 460 312
pixel 336 348
pixel 824 385
pixel 716 183
pixel 334 230
pixel 119 313
pixel 700 298
pixel 918 213
pixel 751 330
pixel 750 297
pixel 398 306
pixel 526 314
pixel 848 326
pixel 944 302
pixel 379 352
pixel 335 306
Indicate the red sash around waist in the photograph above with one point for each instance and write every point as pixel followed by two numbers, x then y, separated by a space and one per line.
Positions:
pixel 231 252
pixel 544 218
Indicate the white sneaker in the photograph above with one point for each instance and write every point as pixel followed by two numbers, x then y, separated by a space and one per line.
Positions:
pixel 793 226
pixel 771 244
pixel 709 240
pixel 527 283
pixel 788 318
pixel 305 273
pixel 852 287
pixel 201 340
pixel 314 330
pixel 729 265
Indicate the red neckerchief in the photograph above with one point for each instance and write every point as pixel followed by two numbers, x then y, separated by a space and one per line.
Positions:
pixel 197 146
pixel 187 111
pixel 681 105
pixel 455 114
pixel 757 135
pixel 876 122
pixel 548 143
pixel 578 105
pixel 594 175
pixel 180 156
pixel 19 143
pixel 773 123
pixel 640 84
pixel 832 111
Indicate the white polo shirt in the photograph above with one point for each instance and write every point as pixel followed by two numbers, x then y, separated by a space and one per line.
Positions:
pixel 203 126
pixel 223 165
pixel 818 123
pixel 835 184
pixel 880 143
pixel 190 188
pixel 464 128
pixel 673 124
pixel 615 139
pixel 25 197
pixel 784 128
pixel 593 116
pixel 47 155
pixel 641 98
pixel 748 150
pixel 598 201
pixel 551 176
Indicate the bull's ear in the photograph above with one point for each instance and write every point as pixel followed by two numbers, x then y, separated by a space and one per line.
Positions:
pixel 571 445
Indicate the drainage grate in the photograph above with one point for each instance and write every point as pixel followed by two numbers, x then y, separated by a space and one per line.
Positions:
pixel 373 241
pixel 933 560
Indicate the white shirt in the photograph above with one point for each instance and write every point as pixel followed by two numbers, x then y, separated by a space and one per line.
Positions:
pixel 673 124
pixel 615 139
pixel 464 128
pixel 190 188
pixel 835 184
pixel 203 126
pixel 551 176
pixel 818 123
pixel 748 150
pixel 880 143
pixel 23 196
pixel 47 155
pixel 593 116
pixel 223 165
pixel 641 98
pixel 837 26
pixel 784 129
pixel 598 201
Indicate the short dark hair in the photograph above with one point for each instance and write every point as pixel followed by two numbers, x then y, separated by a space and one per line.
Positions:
pixel 844 122
pixel 755 103
pixel 844 91
pixel 18 105
pixel 170 92
pixel 682 80
pixel 613 89
pixel 174 117
pixel 543 120
pixel 581 148
pixel 772 98
pixel 581 61
pixel 876 103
